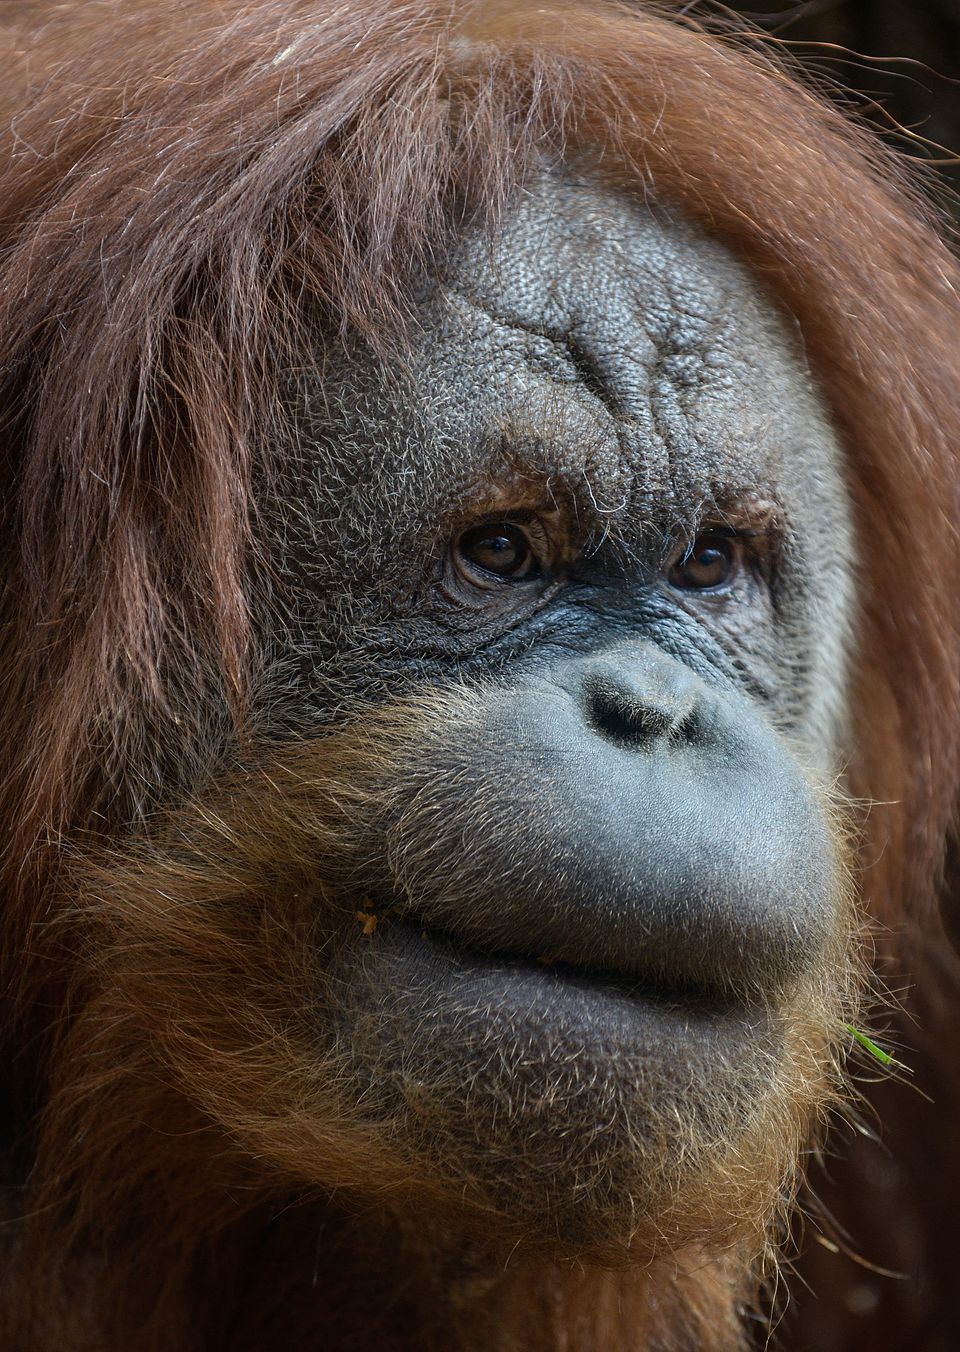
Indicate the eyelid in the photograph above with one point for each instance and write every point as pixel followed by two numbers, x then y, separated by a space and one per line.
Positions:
pixel 475 581
pixel 721 531
pixel 526 518
pixel 727 532
pixel 756 543
pixel 680 549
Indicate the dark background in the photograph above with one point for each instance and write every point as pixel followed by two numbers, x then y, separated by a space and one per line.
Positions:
pixel 901 56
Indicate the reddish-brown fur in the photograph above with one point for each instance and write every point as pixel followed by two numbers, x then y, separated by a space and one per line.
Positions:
pixel 174 179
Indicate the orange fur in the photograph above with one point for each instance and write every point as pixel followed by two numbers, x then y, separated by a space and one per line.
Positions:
pixel 174 180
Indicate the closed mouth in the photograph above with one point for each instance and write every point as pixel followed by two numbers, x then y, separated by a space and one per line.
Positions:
pixel 559 969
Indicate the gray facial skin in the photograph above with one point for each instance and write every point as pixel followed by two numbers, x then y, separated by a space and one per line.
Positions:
pixel 611 870
pixel 599 358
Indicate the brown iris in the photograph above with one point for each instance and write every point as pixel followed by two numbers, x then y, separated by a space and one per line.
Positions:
pixel 498 549
pixel 710 563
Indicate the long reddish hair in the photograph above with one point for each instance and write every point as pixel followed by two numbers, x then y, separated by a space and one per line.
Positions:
pixel 178 179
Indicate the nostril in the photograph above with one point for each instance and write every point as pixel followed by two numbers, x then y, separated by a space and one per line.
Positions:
pixel 624 716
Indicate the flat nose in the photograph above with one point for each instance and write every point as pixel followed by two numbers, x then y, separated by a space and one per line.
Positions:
pixel 638 699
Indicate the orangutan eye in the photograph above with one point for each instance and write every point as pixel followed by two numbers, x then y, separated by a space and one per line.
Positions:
pixel 499 550
pixel 709 564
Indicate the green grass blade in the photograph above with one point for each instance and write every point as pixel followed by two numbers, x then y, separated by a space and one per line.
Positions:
pixel 883 1057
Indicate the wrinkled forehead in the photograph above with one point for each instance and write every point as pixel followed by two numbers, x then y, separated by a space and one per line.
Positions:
pixel 597 345
pixel 622 346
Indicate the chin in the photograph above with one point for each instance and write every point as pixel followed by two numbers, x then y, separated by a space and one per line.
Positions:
pixel 586 1112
